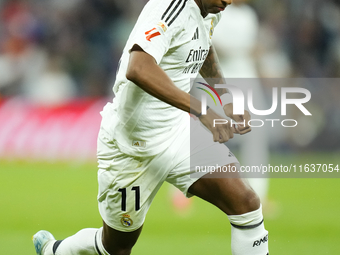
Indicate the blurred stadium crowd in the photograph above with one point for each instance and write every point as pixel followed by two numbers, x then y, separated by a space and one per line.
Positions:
pixel 72 45
pixel 55 50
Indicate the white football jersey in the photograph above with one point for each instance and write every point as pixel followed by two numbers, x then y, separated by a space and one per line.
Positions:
pixel 179 38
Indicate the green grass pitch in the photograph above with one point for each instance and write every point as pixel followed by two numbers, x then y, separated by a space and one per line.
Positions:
pixel 61 198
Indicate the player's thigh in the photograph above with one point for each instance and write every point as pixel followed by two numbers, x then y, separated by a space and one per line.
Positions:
pixel 127 186
pixel 197 156
pixel 232 194
pixel 203 170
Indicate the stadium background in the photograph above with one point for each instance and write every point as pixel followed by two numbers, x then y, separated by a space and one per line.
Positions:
pixel 57 64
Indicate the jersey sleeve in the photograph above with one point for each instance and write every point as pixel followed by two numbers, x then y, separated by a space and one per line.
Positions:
pixel 156 28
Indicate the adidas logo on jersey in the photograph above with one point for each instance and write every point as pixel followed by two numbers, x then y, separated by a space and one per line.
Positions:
pixel 195 37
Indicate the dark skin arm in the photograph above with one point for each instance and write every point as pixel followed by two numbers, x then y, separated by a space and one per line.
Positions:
pixel 145 73
pixel 212 73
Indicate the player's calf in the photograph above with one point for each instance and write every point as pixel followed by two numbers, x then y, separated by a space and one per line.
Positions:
pixel 238 200
pixel 117 242
pixel 248 235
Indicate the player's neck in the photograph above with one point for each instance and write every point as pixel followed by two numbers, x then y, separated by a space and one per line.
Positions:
pixel 199 3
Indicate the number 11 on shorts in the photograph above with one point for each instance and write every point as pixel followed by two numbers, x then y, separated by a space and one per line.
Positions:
pixel 136 189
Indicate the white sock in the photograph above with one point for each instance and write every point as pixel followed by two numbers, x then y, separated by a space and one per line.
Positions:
pixel 248 235
pixel 86 242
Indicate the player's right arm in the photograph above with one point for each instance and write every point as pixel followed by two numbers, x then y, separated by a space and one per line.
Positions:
pixel 144 71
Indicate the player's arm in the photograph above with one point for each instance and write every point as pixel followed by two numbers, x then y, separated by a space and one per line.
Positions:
pixel 212 73
pixel 145 73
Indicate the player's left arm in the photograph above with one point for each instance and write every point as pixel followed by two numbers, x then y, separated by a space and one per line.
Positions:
pixel 212 73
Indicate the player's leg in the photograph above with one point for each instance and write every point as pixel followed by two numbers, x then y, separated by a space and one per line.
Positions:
pixel 231 195
pixel 237 199
pixel 85 242
pixel 254 147
pixel 117 242
pixel 90 241
pixel 127 186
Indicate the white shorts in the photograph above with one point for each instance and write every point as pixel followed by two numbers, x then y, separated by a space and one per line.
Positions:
pixel 128 184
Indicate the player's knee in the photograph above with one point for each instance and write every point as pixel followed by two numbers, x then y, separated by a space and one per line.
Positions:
pixel 247 201
pixel 251 201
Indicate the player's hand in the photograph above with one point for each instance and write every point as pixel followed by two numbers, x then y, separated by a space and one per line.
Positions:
pixel 239 128
pixel 221 132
